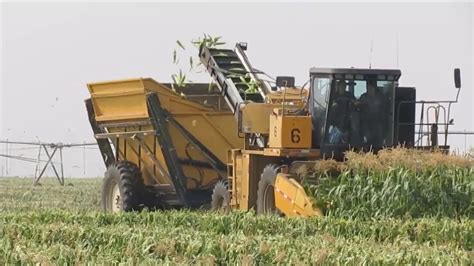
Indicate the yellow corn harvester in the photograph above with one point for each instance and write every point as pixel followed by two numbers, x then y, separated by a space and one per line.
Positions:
pixel 238 142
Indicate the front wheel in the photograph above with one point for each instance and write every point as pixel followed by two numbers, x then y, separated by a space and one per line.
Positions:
pixel 122 187
pixel 266 191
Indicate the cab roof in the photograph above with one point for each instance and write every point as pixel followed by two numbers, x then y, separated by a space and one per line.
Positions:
pixel 361 71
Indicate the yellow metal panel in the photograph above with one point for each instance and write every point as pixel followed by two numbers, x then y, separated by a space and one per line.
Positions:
pixel 238 178
pixel 289 94
pixel 296 131
pixel 152 85
pixel 218 132
pixel 291 199
pixel 197 175
pixel 290 131
pixel 300 198
pixel 282 201
pixel 255 117
pixel 147 168
pixel 237 188
pixel 112 108
pixel 172 101
pixel 116 86
pixel 109 99
pixel 244 198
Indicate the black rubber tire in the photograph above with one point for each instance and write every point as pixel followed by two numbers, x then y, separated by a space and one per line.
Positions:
pixel 129 179
pixel 220 200
pixel 265 191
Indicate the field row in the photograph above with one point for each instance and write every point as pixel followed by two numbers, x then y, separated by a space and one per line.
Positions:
pixel 393 183
pixel 187 237
pixel 18 194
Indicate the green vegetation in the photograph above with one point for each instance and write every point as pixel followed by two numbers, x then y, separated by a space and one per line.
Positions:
pixel 394 183
pixel 192 237
pixel 18 195
pixel 180 79
pixel 419 211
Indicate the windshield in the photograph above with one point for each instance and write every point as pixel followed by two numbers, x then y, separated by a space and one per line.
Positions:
pixel 360 112
pixel 320 94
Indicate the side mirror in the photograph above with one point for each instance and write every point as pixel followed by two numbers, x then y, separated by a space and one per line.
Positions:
pixel 457 78
pixel 285 81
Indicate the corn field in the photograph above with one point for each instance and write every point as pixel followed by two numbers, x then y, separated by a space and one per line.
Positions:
pixel 396 207
pixel 394 183
pixel 189 237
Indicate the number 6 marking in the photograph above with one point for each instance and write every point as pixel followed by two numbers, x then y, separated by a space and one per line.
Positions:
pixel 295 135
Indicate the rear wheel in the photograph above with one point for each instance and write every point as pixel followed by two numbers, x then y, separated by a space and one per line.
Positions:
pixel 220 200
pixel 122 188
pixel 266 191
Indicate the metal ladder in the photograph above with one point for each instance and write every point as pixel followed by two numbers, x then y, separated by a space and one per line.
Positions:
pixel 231 180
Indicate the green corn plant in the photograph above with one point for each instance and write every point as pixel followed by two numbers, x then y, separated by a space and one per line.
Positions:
pixel 184 236
pixel 179 78
pixel 402 213
pixel 252 85
pixel 208 40
pixel 366 190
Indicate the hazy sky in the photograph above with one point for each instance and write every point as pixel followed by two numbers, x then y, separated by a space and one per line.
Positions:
pixel 50 51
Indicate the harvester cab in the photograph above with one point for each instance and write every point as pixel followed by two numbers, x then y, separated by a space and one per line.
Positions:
pixel 352 109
